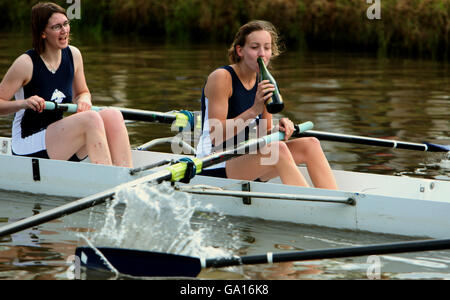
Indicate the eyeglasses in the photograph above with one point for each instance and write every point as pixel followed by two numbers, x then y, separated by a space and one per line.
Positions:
pixel 58 27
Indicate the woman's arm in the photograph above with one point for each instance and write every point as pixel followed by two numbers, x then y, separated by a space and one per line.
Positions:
pixel 267 117
pixel 81 93
pixel 18 75
pixel 218 90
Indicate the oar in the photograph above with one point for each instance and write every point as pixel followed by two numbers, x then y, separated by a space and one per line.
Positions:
pixel 336 137
pixel 186 169
pixel 155 264
pixel 181 119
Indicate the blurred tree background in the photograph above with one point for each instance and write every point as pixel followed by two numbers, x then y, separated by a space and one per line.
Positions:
pixel 419 28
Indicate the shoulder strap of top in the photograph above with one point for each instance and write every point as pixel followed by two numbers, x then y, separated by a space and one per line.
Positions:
pixel 68 51
pixel 231 71
pixel 33 54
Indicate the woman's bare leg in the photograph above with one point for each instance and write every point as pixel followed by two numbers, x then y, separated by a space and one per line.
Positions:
pixel 117 136
pixel 308 151
pixel 81 132
pixel 249 167
pixel 302 150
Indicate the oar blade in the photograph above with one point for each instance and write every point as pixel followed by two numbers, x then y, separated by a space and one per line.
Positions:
pixel 140 263
pixel 437 147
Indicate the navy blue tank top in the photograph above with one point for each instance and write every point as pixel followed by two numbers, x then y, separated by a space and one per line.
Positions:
pixel 241 99
pixel 50 86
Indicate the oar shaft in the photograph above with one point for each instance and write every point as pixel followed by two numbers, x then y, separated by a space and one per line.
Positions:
pixel 354 139
pixel 128 113
pixel 146 263
pixel 78 205
pixel 148 116
pixel 55 213
pixel 380 249
pixel 184 118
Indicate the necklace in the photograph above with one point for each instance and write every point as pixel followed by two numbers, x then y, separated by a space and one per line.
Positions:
pixel 49 66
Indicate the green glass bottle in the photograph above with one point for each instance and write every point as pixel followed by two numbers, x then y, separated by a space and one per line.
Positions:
pixel 275 103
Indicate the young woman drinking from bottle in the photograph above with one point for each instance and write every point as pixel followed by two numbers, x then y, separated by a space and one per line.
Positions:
pixel 233 101
pixel 53 71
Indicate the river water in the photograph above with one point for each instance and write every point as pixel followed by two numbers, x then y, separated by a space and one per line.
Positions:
pixel 350 93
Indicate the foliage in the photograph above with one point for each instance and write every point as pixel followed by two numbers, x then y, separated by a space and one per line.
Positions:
pixel 411 27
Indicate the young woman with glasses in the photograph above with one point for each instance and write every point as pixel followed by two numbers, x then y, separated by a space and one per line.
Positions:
pixel 53 71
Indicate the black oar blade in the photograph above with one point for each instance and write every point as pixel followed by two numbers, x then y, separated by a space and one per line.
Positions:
pixel 140 263
pixel 370 141
pixel 437 147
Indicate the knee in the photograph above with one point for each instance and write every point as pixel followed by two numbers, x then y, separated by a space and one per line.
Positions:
pixel 283 148
pixel 283 151
pixel 111 115
pixel 310 145
pixel 112 118
pixel 91 120
pixel 313 142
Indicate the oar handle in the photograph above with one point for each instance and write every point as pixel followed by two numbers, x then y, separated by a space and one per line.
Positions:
pixel 298 128
pixel 69 107
pixel 302 127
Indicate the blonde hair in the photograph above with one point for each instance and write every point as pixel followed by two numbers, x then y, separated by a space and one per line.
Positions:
pixel 241 37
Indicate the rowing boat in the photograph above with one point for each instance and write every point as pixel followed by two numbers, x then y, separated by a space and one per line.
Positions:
pixel 365 202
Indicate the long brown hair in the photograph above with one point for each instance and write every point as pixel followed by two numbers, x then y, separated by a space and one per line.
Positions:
pixel 241 37
pixel 40 13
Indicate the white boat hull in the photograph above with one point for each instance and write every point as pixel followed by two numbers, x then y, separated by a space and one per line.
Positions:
pixel 384 204
pixel 374 213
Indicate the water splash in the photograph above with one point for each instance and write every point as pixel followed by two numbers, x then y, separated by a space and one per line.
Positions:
pixel 156 218
pixel 445 162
